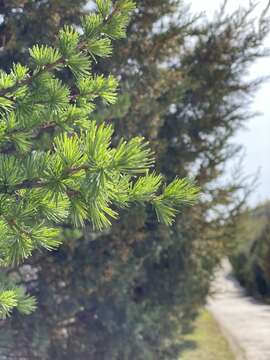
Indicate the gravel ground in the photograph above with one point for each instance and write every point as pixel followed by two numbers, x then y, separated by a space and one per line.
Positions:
pixel 244 321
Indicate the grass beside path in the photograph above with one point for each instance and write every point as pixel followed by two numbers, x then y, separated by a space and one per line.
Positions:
pixel 208 340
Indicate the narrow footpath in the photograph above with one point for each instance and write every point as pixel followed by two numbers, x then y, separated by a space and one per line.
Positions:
pixel 244 321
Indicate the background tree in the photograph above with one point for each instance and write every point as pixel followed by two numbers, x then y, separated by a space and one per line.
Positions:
pixel 24 22
pixel 80 177
pixel 125 294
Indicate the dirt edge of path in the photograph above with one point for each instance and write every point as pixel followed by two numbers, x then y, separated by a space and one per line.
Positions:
pixel 233 344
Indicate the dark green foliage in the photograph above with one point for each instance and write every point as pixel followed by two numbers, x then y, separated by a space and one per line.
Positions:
pixel 251 258
pixel 126 293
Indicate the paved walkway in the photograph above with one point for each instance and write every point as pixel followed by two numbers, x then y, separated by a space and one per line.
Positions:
pixel 245 321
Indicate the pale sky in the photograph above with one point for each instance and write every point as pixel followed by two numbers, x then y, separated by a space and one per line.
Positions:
pixel 256 138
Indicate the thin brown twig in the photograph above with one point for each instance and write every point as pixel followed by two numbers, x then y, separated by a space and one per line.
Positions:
pixel 39 183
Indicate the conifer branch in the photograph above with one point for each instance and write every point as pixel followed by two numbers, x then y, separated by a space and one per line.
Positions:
pixel 30 78
pixel 81 177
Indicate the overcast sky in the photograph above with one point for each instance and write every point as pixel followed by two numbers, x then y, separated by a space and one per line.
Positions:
pixel 256 138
